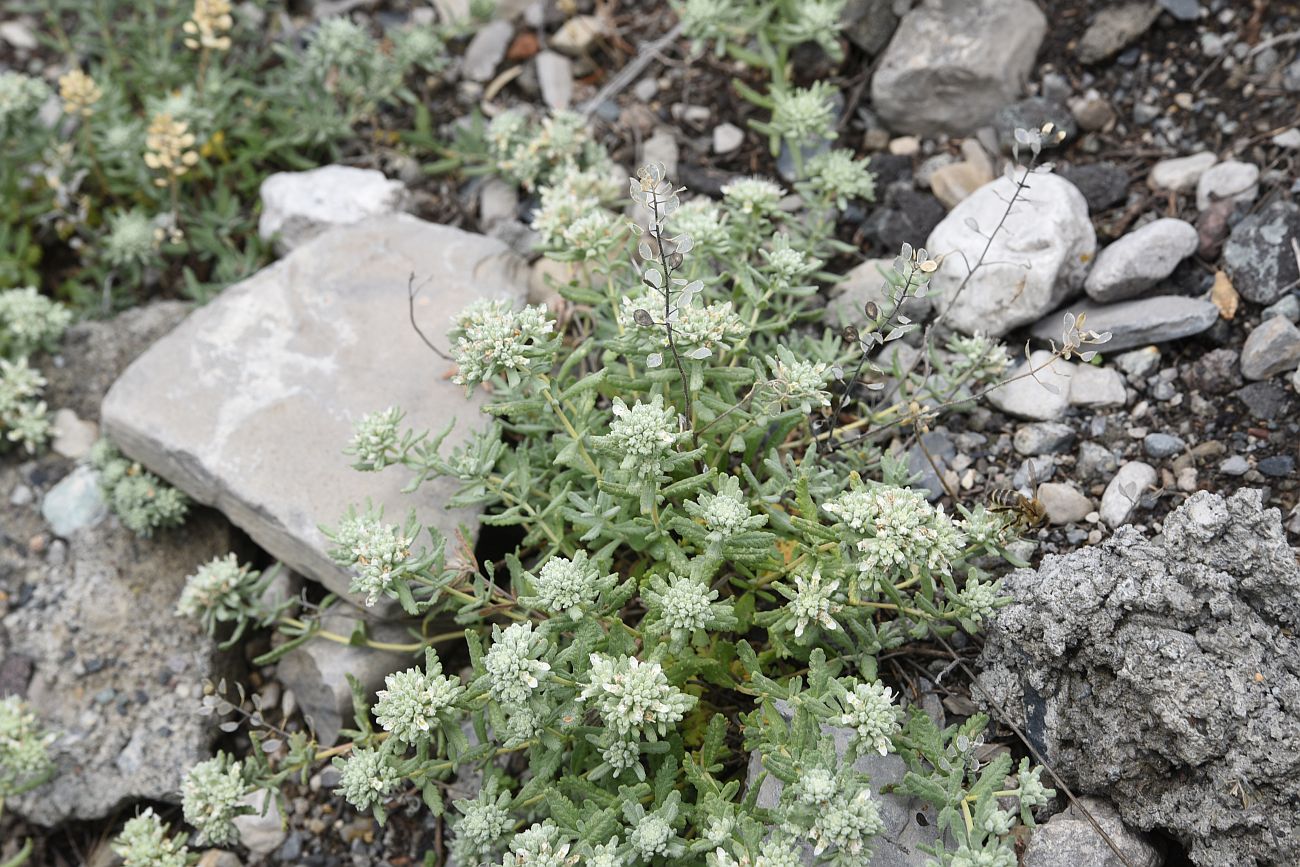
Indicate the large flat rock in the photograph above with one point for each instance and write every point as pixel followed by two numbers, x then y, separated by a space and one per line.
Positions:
pixel 248 403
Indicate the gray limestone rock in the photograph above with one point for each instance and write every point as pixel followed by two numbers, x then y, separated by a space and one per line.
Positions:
pixel 1272 348
pixel 1041 397
pixel 953 63
pixel 1140 260
pixel 122 700
pixel 298 206
pixel 1125 491
pixel 1114 27
pixel 1037 261
pixel 1136 323
pixel 317 672
pixel 75 503
pixel 1258 256
pixel 1068 838
pixel 249 403
pixel 1165 674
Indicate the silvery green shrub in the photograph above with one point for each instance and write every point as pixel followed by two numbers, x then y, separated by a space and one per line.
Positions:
pixel 705 536
pixel 29 323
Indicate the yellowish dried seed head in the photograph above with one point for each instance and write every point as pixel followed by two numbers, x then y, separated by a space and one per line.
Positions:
pixel 79 93
pixel 209 27
pixel 169 148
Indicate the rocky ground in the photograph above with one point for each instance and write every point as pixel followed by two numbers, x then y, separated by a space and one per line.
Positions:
pixel 1172 218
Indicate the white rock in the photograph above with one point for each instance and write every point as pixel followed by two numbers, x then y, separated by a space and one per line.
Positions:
pixel 1063 502
pixel 1289 139
pixel 19 35
pixel 727 137
pixel 1231 180
pixel 953 63
pixel 486 49
pixel 298 206
pixel 1124 491
pixel 247 403
pixel 1096 386
pixel 577 34
pixel 1038 260
pixel 74 503
pixel 1041 397
pixel 555 77
pixel 864 283
pixel 258 833
pixel 905 146
pixel 497 201
pixel 1140 260
pixel 72 436
pixel 661 147
pixel 1182 173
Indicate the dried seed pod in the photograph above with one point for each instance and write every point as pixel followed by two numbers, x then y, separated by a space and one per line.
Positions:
pixel 872 310
pixel 850 334
pixel 642 317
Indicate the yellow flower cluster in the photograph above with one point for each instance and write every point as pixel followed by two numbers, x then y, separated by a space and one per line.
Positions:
pixel 209 26
pixel 169 146
pixel 79 93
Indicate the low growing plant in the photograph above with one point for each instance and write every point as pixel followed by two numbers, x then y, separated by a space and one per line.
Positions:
pixel 29 323
pixel 714 551
pixel 142 501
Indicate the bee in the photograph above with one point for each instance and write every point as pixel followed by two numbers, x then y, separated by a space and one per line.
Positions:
pixel 1026 513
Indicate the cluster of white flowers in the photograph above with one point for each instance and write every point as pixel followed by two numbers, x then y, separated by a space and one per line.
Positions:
pixel 711 21
pixel 79 93
pixel 847 824
pixel 490 338
pixel 132 239
pixel 561 205
pixel 215 592
pixel 753 197
pixel 419 47
pixel 21 96
pixel 514 663
pixel 210 799
pixel 979 601
pixel 785 265
pixel 779 850
pixel 375 437
pixel 1032 791
pixel 704 223
pixel 24 419
pixel 29 321
pixel 593 235
pixel 980 358
pixel 812 600
pixel 726 513
pixel 993 854
pixel 605 855
pixel 815 21
pixel 347 62
pixel 23 755
pixel 622 756
pixel 144 843
pixel 798 382
pixel 696 326
pixel 870 711
pixel 366 777
pixel 839 176
pixel 644 434
pixel 682 605
pixel 483 821
pixel 533 155
pixel 634 698
pixel 375 551
pixel 540 846
pixel 414 701
pixel 896 528
pixel 815 787
pixel 804 114
pixel 652 836
pixel 983 527
pixel 564 586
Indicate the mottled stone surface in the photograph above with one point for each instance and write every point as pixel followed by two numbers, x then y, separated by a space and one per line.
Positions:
pixel 248 404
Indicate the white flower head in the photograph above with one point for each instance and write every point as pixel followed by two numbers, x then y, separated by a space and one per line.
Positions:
pixel 514 663
pixel 366 778
pixel 870 711
pixel 896 528
pixel 414 701
pixel 210 799
pixel 634 697
pixel 569 586
pixel 753 197
pixel 644 434
pixel 491 338
pixel 813 600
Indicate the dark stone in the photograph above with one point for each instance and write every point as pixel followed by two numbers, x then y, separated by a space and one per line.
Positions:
pixel 1258 256
pixel 1212 228
pixel 1277 466
pixel 907 216
pixel 869 24
pixel 889 169
pixel 1264 400
pixel 1104 185
pixel 1215 372
pixel 1032 114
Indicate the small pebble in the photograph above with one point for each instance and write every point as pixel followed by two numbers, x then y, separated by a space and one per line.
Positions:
pixel 1234 466
pixel 1163 445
